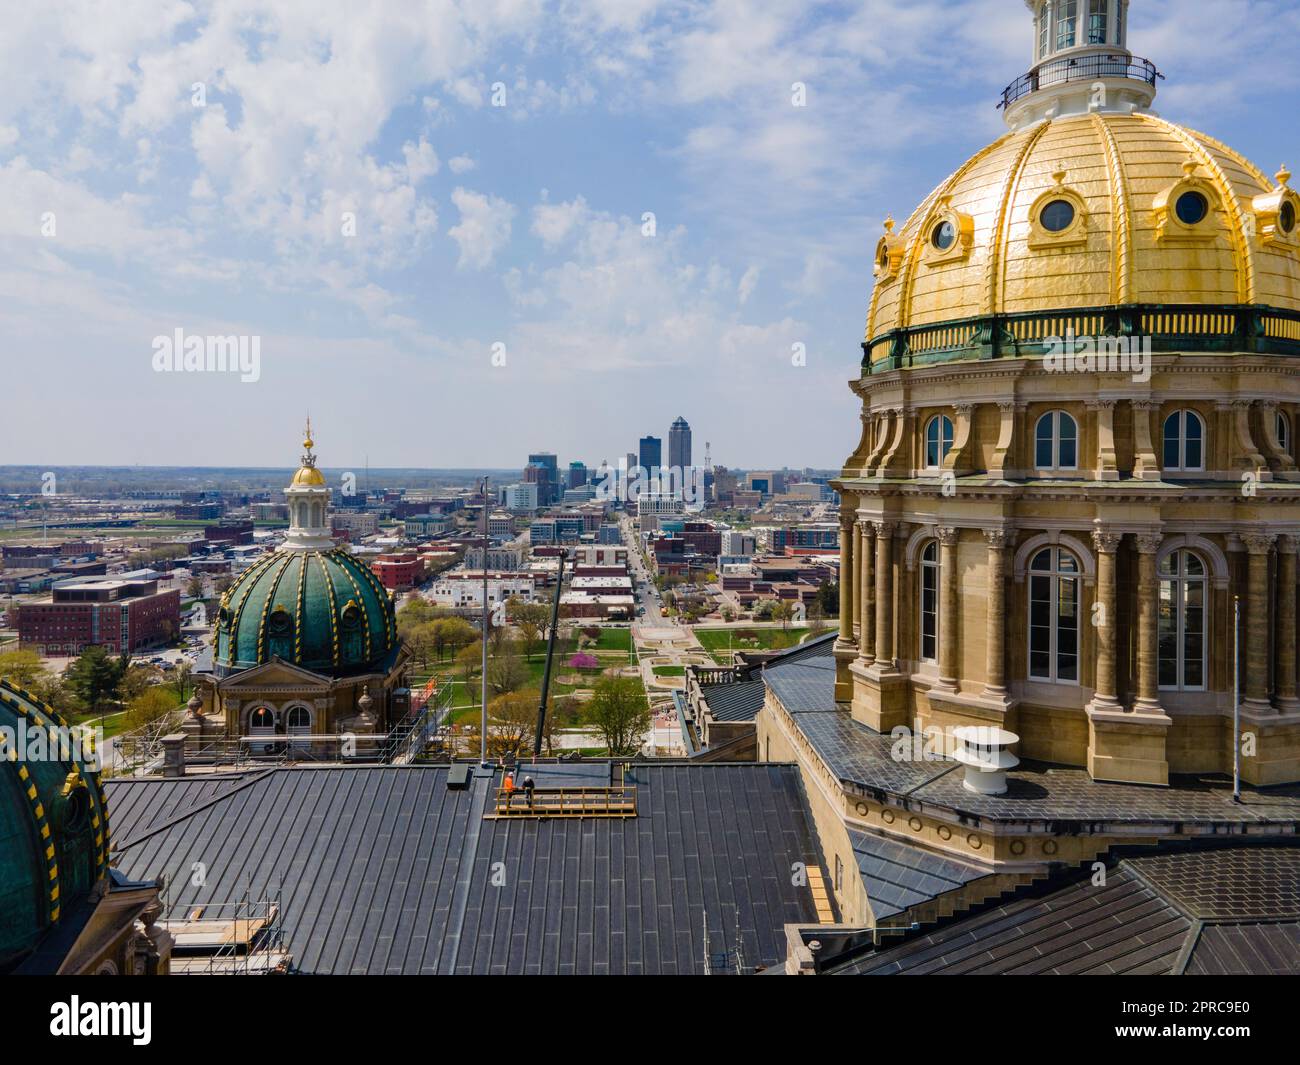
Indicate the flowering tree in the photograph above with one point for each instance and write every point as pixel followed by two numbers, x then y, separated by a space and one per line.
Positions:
pixel 584 661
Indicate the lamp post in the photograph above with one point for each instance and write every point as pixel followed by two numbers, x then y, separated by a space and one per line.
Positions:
pixel 482 736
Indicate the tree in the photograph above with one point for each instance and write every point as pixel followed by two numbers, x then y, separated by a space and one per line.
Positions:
pixel 532 620
pixel 783 611
pixel 22 667
pixel 149 706
pixel 828 595
pixel 415 612
pixel 138 679
pixel 468 660
pixel 620 713
pixel 181 679
pixel 94 677
pixel 512 722
pixel 456 633
pixel 506 672
pixel 194 588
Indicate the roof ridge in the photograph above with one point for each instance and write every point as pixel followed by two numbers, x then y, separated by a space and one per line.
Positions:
pixel 221 797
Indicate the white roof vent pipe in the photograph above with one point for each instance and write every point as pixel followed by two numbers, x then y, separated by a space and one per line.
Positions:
pixel 982 749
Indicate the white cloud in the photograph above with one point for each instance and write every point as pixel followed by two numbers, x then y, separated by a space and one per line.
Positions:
pixel 484 227
pixel 460 164
pixel 553 222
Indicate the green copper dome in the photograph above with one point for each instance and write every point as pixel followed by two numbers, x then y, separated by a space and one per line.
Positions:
pixel 53 822
pixel 322 610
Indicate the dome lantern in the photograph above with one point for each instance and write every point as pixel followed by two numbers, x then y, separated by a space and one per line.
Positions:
pixel 308 498
pixel 1081 64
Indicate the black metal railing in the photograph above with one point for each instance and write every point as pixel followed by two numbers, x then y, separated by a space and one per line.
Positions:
pixel 1080 68
pixel 1169 328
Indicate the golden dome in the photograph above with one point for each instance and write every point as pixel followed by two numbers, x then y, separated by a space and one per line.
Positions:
pixel 308 476
pixel 1090 211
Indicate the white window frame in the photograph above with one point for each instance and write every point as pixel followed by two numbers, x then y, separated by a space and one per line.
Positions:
pixel 929 567
pixel 1282 428
pixel 1182 414
pixel 1180 579
pixel 946 436
pixel 1055 575
pixel 1056 416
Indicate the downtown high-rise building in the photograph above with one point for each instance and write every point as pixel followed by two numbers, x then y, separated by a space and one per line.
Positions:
pixel 651 452
pixel 679 444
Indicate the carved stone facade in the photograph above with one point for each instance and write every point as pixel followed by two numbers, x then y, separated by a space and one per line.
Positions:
pixel 1093 538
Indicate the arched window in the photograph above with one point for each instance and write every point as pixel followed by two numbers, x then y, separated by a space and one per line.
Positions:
pixel 1044 30
pixel 1098 12
pixel 930 602
pixel 1283 425
pixel 938 441
pixel 1067 16
pixel 1182 621
pixel 298 720
pixel 1056 442
pixel 1054 616
pixel 261 722
pixel 1184 442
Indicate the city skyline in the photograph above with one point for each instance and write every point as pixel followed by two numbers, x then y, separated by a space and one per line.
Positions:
pixel 432 300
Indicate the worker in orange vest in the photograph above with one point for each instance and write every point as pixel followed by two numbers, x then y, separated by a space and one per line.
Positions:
pixel 509 788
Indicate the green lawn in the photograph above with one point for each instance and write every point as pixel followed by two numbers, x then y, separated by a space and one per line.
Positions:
pixel 670 671
pixel 717 641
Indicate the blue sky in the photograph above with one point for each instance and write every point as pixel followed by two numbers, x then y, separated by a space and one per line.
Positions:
pixel 516 225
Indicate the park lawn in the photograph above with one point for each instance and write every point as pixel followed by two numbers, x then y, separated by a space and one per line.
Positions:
pixel 670 671
pixel 715 641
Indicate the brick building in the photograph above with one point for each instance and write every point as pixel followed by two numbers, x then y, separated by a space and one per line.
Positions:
pixel 119 614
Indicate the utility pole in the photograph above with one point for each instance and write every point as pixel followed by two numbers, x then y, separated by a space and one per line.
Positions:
pixel 482 744
pixel 1236 698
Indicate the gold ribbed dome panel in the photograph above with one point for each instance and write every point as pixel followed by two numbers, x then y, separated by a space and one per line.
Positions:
pixel 1117 166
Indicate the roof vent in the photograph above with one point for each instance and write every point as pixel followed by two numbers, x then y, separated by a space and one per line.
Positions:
pixel 983 751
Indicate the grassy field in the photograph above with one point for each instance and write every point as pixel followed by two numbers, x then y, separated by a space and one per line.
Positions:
pixel 717 641
pixel 670 671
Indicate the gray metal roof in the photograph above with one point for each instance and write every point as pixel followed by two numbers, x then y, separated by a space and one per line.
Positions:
pixel 386 870
pixel 1194 910
pixel 898 876
pixel 860 756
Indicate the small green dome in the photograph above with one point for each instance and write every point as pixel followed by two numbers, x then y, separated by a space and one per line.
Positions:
pixel 322 610
pixel 53 822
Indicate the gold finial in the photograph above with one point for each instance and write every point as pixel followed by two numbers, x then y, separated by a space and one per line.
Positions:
pixel 1059 177
pixel 1189 167
pixel 889 224
pixel 1283 176
pixel 307 440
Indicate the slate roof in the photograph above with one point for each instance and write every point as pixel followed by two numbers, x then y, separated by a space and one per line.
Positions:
pixel 1225 910
pixel 383 869
pixel 898 876
pixel 737 701
pixel 862 757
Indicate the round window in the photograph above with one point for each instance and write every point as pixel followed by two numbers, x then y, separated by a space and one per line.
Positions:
pixel 1057 216
pixel 1192 208
pixel 944 236
pixel 1287 217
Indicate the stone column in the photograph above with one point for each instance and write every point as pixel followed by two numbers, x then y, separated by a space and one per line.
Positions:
pixel 884 595
pixel 949 619
pixel 866 596
pixel 1286 618
pixel 857 576
pixel 1148 691
pixel 1257 621
pixel 846 578
pixel 995 683
pixel 1104 686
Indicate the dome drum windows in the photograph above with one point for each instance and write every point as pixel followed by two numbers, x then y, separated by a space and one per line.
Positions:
pixel 949 235
pixel 1056 442
pixel 1059 217
pixel 930 602
pixel 1183 444
pixel 938 441
pixel 1189 210
pixel 1277 215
